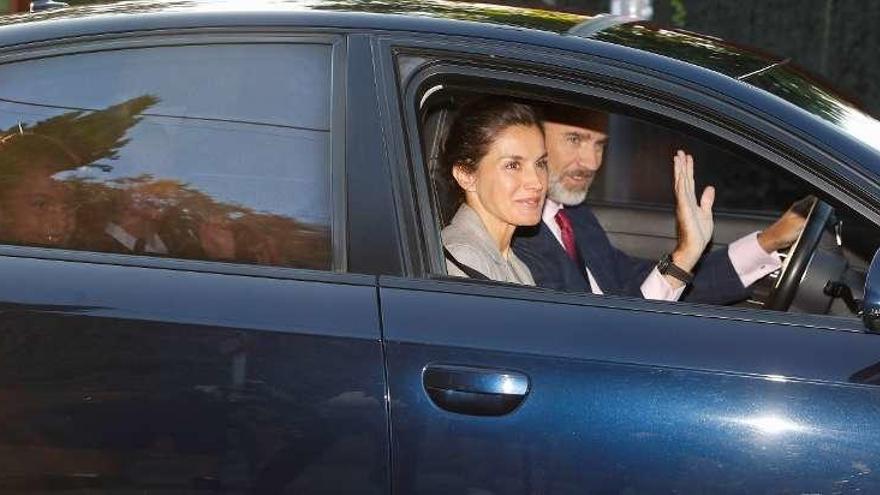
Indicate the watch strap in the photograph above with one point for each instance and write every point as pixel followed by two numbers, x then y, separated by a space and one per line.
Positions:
pixel 667 267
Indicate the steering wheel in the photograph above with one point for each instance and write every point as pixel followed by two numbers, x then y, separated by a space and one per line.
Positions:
pixel 799 257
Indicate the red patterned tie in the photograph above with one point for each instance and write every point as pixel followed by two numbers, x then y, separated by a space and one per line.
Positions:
pixel 567 234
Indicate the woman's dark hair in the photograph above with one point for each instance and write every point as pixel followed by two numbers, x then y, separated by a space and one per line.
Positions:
pixel 477 124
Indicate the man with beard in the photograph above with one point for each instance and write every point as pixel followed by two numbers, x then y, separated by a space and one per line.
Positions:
pixel 570 251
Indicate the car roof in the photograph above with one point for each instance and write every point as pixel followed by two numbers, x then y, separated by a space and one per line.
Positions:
pixel 699 58
pixel 499 15
pixel 705 51
pixel 443 16
pixel 413 15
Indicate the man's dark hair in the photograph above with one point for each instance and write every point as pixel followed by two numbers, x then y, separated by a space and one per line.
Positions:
pixel 576 116
pixel 477 124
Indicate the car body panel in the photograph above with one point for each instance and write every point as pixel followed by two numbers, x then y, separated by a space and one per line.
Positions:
pixel 440 9
pixel 127 378
pixel 627 401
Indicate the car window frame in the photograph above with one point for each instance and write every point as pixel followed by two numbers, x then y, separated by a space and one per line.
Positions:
pixel 483 60
pixel 201 37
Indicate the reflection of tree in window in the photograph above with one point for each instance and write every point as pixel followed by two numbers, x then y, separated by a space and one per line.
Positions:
pixel 49 196
pixel 36 206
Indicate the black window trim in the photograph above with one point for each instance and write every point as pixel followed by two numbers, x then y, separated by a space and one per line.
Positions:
pixel 472 61
pixel 201 37
pixel 183 264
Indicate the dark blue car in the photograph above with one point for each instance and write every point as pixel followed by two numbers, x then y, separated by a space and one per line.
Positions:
pixel 221 270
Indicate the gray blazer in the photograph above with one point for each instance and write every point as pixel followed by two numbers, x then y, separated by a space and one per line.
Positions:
pixel 470 243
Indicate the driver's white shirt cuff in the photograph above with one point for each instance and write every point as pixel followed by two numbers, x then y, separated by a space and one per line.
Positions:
pixel 658 288
pixel 748 258
pixel 750 261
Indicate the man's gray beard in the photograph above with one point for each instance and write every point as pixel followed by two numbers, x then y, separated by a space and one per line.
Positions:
pixel 557 192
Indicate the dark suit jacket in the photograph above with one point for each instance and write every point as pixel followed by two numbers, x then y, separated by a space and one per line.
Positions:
pixel 617 273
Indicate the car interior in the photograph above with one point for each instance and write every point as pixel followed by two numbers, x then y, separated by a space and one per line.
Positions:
pixel 638 216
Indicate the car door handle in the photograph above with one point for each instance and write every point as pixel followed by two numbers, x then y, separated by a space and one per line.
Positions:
pixel 475 391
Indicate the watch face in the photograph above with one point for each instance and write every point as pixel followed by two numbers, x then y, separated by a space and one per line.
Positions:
pixel 663 266
pixel 667 267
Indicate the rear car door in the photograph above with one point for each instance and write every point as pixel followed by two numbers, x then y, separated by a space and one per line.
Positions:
pixel 503 389
pixel 175 312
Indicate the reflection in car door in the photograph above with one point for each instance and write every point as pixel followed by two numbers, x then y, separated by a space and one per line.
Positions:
pixel 622 396
pixel 128 378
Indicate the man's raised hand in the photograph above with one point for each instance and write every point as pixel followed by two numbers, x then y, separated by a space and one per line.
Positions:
pixel 693 220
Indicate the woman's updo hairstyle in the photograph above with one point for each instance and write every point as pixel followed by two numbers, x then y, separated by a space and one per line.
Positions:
pixel 477 124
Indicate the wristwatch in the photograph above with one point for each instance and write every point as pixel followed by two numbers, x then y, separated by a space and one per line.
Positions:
pixel 667 267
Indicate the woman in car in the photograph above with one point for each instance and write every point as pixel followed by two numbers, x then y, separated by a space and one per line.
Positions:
pixel 496 158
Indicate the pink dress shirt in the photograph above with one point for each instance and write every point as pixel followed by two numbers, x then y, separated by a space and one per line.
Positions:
pixel 749 260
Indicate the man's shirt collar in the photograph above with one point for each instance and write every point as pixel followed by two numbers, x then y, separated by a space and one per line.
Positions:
pixel 550 209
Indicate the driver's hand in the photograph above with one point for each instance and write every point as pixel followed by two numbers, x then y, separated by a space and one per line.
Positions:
pixel 693 218
pixel 788 227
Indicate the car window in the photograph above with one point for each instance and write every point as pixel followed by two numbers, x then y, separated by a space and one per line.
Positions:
pixel 749 190
pixel 630 221
pixel 213 152
pixel 631 173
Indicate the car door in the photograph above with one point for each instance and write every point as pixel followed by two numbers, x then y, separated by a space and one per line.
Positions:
pixel 503 389
pixel 514 390
pixel 175 310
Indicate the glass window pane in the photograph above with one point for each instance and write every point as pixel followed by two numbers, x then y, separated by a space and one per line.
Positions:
pixel 208 152
pixel 227 82
pixel 639 157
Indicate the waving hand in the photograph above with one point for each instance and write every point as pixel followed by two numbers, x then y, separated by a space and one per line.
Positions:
pixel 693 219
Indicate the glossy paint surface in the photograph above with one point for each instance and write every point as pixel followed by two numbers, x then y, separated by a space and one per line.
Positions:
pixel 704 51
pixel 441 9
pixel 871 303
pixel 124 379
pixel 630 401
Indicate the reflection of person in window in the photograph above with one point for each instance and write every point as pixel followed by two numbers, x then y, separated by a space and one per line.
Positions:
pixel 575 145
pixel 135 226
pixel 37 209
pixel 217 238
